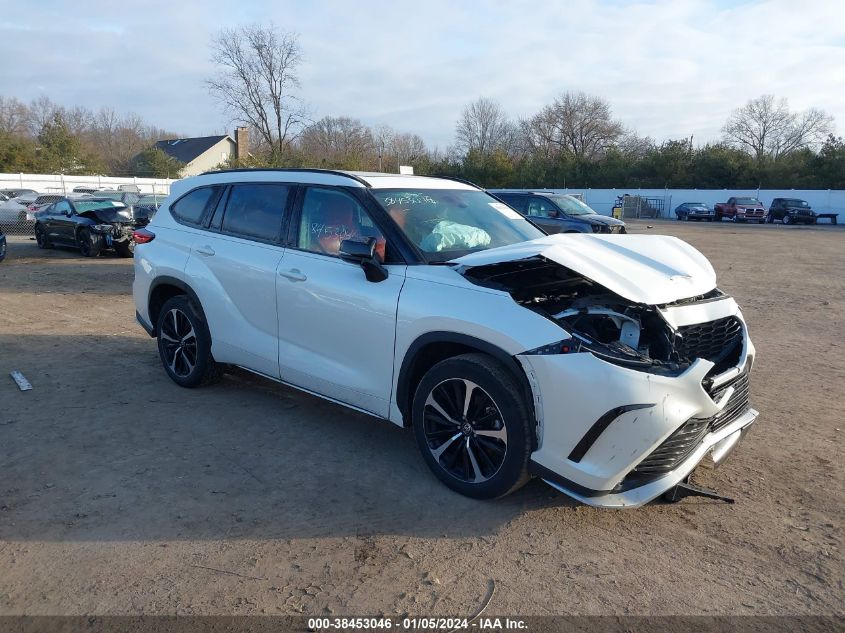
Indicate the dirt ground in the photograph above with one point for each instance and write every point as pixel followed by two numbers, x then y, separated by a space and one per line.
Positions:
pixel 121 493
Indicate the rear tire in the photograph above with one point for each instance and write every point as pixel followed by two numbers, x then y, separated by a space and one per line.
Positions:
pixel 90 244
pixel 479 446
pixel 41 237
pixel 184 344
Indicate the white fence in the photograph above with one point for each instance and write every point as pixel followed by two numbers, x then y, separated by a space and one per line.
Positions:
pixel 822 200
pixel 60 183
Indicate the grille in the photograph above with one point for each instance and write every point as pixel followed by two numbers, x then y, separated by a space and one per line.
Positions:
pixel 675 448
pixel 737 404
pixel 713 340
pixel 678 446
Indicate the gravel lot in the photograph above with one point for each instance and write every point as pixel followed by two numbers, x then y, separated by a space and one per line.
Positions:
pixel 121 493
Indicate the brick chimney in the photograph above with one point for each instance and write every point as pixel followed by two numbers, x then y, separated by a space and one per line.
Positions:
pixel 241 143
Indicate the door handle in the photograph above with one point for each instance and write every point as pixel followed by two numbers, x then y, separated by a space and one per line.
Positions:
pixel 294 274
pixel 206 250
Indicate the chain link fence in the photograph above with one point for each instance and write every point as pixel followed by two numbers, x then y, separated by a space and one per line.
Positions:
pixel 23 196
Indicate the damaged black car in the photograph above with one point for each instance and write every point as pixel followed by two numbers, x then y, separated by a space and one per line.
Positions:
pixel 91 224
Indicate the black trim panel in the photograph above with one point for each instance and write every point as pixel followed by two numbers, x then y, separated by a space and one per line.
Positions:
pixel 403 388
pixel 147 327
pixel 599 427
pixel 171 281
pixel 544 473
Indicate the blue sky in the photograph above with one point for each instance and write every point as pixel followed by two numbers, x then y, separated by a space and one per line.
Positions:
pixel 668 68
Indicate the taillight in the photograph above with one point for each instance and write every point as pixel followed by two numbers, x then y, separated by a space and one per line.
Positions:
pixel 143 236
pixel 32 207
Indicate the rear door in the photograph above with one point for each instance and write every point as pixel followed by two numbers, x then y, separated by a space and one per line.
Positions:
pixel 336 329
pixel 232 268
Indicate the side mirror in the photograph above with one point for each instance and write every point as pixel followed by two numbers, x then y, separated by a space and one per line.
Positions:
pixel 66 213
pixel 362 251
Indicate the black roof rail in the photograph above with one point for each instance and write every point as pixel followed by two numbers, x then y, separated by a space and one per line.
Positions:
pixel 331 172
pixel 466 182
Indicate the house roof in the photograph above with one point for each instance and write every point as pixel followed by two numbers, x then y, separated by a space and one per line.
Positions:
pixel 187 149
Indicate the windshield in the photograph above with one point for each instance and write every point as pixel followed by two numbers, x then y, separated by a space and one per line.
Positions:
pixel 697 205
pixel 793 202
pixel 748 201
pixel 448 223
pixel 571 206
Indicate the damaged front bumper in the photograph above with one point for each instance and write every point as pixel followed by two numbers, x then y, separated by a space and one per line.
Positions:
pixel 617 437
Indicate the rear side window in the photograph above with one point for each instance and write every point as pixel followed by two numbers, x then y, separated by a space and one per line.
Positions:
pixel 256 211
pixel 190 208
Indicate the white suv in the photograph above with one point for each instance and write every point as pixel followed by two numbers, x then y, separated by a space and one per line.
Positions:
pixel 608 365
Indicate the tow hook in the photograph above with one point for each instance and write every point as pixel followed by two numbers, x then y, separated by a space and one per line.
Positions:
pixel 687 489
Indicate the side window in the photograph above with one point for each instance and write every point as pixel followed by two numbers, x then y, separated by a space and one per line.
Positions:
pixel 61 207
pixel 256 211
pixel 540 207
pixel 517 202
pixel 330 216
pixel 189 209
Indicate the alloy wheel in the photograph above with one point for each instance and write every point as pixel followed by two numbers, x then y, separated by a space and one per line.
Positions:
pixel 179 343
pixel 464 430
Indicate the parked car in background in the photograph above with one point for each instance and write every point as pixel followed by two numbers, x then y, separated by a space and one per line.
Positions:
pixel 14 192
pixel 126 197
pixel 15 212
pixel 558 213
pixel 89 224
pixel 146 206
pixel 2 246
pixel 791 211
pixel 608 365
pixel 694 211
pixel 740 210
pixel 88 189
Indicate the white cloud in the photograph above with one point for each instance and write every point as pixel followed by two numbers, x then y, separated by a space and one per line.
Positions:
pixel 669 68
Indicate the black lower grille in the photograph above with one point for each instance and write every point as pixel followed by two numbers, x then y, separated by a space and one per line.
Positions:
pixel 737 404
pixel 678 446
pixel 713 340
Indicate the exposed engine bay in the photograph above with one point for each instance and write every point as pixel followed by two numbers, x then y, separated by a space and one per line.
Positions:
pixel 602 322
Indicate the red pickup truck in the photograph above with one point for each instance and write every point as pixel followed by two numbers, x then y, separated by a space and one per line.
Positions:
pixel 740 210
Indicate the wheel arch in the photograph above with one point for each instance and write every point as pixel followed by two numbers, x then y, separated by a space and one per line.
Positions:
pixel 163 289
pixel 431 348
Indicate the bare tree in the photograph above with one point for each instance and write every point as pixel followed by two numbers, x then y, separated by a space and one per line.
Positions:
pixel 576 124
pixel 257 79
pixel 483 128
pixel 766 128
pixel 339 142
pixel 13 116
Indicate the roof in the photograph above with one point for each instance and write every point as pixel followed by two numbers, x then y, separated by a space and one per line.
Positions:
pixel 373 180
pixel 378 180
pixel 187 149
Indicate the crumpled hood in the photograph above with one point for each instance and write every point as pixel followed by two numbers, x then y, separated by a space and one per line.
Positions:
pixel 649 269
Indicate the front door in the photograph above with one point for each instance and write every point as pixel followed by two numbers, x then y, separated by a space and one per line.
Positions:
pixel 336 329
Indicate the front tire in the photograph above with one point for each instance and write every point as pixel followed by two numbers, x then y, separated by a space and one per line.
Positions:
pixel 786 219
pixel 90 244
pixel 473 427
pixel 184 344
